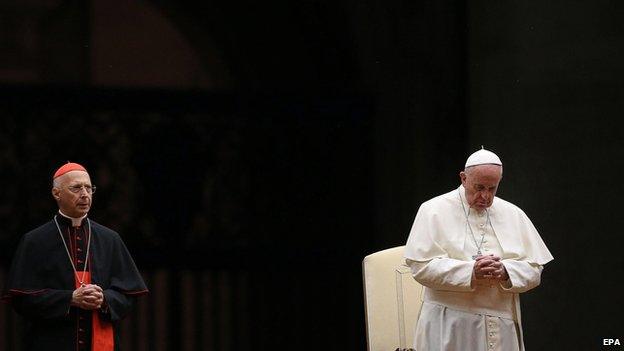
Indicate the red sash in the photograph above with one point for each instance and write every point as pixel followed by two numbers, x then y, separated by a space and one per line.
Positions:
pixel 101 330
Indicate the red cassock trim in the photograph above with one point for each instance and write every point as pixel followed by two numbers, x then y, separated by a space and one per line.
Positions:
pixel 138 292
pixel 27 292
pixel 12 292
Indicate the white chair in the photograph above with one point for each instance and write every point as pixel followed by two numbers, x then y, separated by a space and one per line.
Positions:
pixel 392 300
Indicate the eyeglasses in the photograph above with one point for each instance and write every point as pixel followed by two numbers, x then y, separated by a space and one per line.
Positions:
pixel 90 189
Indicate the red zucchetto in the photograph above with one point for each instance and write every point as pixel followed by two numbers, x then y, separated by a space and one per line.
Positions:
pixel 68 167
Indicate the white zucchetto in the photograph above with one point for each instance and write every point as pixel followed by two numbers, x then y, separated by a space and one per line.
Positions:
pixel 483 157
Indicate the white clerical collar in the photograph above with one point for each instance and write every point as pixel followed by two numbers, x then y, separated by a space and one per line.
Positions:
pixel 75 221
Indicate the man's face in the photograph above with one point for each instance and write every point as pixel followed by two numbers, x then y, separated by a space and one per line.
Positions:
pixel 72 193
pixel 481 183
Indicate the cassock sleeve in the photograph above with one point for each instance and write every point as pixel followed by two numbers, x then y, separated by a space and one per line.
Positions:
pixel 443 274
pixel 523 276
pixel 430 263
pixel 49 304
pixel 118 305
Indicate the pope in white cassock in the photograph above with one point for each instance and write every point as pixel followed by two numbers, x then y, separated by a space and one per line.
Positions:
pixel 474 253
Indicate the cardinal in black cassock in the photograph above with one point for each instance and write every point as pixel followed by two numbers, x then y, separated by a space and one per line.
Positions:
pixel 72 279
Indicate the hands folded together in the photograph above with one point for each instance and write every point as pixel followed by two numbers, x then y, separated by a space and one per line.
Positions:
pixel 490 267
pixel 88 297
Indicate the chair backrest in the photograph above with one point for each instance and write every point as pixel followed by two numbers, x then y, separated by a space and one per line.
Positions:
pixel 392 300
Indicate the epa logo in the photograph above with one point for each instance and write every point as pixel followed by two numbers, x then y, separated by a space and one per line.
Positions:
pixel 611 342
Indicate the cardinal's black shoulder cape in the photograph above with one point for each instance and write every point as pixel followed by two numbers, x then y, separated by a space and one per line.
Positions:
pixel 41 282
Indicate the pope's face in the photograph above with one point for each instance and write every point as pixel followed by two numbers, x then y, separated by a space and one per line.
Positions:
pixel 72 193
pixel 481 183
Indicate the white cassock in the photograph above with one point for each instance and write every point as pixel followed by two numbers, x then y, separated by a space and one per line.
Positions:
pixel 459 312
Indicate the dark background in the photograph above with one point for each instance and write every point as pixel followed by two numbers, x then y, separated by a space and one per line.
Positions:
pixel 252 153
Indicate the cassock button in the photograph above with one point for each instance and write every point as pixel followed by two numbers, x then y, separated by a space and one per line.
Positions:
pixel 78 238
pixel 80 330
pixel 80 342
pixel 79 249
pixel 481 225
